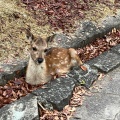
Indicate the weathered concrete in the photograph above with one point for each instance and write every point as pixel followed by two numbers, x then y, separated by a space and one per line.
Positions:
pixel 10 71
pixel 85 78
pixel 58 92
pixel 104 104
pixel 116 49
pixel 23 109
pixel 85 34
pixel 111 22
pixel 107 61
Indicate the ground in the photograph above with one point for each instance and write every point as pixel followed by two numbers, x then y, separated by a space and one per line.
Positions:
pixel 15 19
pixel 104 103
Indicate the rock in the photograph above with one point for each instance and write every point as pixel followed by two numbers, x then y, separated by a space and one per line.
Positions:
pixel 84 34
pixel 107 61
pixel 2 79
pixel 23 109
pixel 111 22
pixel 60 40
pixel 57 92
pixel 10 71
pixel 85 78
pixel 116 49
pixel 104 102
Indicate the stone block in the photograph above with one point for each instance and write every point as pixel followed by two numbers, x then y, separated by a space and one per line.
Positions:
pixel 60 40
pixel 116 49
pixel 25 108
pixel 104 102
pixel 85 78
pixel 57 92
pixel 107 61
pixel 99 107
pixel 79 42
pixel 86 27
pixel 10 71
pixel 84 34
pixel 111 22
pixel 2 80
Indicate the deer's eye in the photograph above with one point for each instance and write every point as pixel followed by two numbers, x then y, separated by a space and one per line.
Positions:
pixel 34 49
pixel 45 50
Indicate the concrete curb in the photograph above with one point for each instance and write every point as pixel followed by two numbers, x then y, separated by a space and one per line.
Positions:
pixel 88 32
pixel 10 71
pixel 58 92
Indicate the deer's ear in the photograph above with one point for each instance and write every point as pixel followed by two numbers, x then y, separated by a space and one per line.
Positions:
pixel 50 38
pixel 29 35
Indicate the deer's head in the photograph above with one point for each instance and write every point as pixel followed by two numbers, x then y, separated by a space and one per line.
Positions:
pixel 38 48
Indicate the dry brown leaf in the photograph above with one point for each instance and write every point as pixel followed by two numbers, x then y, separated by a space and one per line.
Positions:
pixel 100 76
pixel 83 68
pixel 14 94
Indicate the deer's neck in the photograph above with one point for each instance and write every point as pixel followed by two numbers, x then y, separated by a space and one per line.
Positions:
pixel 36 73
pixel 37 67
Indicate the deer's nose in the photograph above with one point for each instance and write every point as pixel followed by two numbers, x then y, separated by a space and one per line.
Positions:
pixel 40 60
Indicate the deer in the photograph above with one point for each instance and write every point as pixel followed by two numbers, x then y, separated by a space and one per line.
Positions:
pixel 46 62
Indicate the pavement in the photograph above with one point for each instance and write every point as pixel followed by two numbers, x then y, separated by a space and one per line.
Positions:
pixel 104 103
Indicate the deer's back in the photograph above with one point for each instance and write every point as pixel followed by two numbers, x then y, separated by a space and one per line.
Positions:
pixel 58 60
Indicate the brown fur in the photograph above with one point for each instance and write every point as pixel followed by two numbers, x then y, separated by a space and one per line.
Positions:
pixel 56 61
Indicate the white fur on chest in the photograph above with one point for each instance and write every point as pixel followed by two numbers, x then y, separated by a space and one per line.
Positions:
pixel 36 73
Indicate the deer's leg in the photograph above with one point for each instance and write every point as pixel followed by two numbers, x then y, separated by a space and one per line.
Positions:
pixel 74 56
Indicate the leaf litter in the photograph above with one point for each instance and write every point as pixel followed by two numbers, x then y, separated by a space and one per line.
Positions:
pixel 99 46
pixel 17 88
pixel 63 14
pixel 44 17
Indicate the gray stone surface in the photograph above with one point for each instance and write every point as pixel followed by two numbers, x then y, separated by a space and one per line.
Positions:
pixel 85 78
pixel 104 103
pixel 112 85
pixel 84 34
pixel 111 22
pixel 10 71
pixel 106 61
pixel 58 92
pixel 60 40
pixel 116 49
pixel 23 109
pixel 2 80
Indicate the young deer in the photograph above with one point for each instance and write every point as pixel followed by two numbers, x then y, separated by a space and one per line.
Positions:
pixel 44 63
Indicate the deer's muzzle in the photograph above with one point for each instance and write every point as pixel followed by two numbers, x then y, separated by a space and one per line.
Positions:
pixel 40 60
